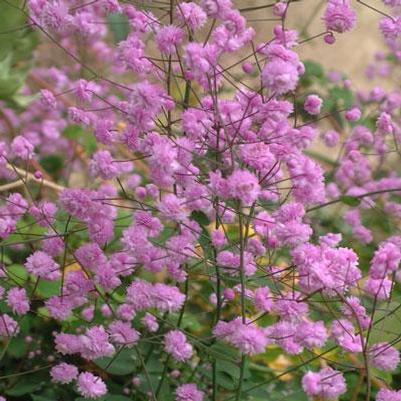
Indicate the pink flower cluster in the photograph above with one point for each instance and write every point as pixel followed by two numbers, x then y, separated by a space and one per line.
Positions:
pixel 195 183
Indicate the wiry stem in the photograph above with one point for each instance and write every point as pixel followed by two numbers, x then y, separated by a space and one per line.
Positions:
pixel 243 310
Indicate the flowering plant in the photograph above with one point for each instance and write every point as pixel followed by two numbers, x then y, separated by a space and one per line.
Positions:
pixel 171 226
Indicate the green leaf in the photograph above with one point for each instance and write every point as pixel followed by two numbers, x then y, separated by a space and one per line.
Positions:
pixel 74 132
pixel 313 68
pixel 10 82
pixel 47 289
pixel 223 379
pixel 350 200
pixel 292 393
pixel 313 71
pixel 227 374
pixel 53 164
pixel 19 43
pixel 22 101
pixel 152 382
pixel 206 243
pixel 86 139
pixel 153 365
pixel 200 218
pixel 90 144
pixel 191 322
pixel 220 350
pixel 43 312
pixel 122 364
pixel 387 323
pixel 165 235
pixel 119 26
pixel 343 97
pixel 16 48
pixel 18 274
pixel 28 385
pixel 17 347
pixel 47 395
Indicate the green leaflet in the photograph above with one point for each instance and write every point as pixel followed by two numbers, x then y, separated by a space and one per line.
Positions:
pixel 122 364
pixel 16 47
pixel 350 200
pixel 119 26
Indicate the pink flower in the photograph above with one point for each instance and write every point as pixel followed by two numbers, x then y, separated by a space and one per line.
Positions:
pixel 308 180
pixel 170 207
pixel 384 357
pixel 67 344
pixel 91 386
pixel 232 262
pixel 123 334
pixel 168 38
pixel 280 77
pixel 95 343
pixel 150 322
pixel 385 124
pixel 248 338
pixel 103 165
pixel 189 392
pixel 327 383
pixel 8 326
pixel 386 260
pixel 390 28
pixel 217 8
pixel 84 90
pixel 378 288
pixel 167 298
pixel 143 295
pixel 313 104
pixel 311 334
pixel 385 394
pixel 329 38
pixel 22 148
pixel 132 56
pixel 18 300
pixel 191 15
pixel 175 343
pixel 42 265
pixel 354 310
pixel 51 15
pixel 244 186
pixel 339 16
pixel 353 114
pixel 263 299
pixel 48 99
pixel 344 334
pixel 331 138
pixel 64 373
pixel 279 9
